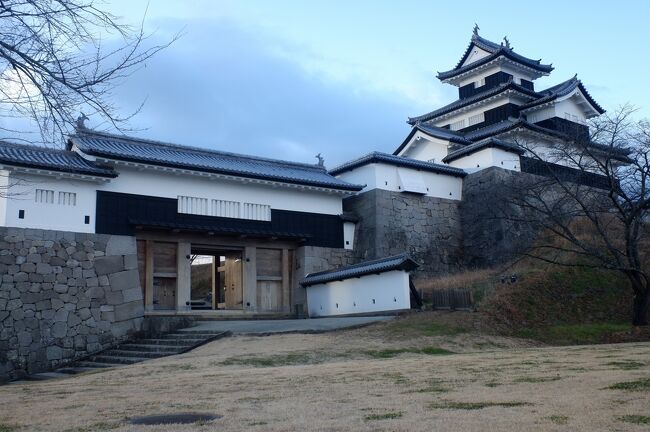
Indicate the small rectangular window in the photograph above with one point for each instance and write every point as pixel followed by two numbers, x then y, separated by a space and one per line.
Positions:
pixel 21 214
pixel 44 196
pixel 87 220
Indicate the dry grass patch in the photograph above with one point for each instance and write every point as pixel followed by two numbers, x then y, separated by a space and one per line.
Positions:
pixel 559 419
pixel 625 365
pixel 476 405
pixel 385 416
pixel 635 419
pixel 537 379
pixel 638 385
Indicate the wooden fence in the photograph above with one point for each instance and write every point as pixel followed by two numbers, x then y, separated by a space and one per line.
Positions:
pixel 452 299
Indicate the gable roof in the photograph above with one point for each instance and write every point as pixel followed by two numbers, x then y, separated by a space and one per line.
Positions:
pixel 124 148
pixel 378 157
pixel 434 132
pixel 478 146
pixel 563 89
pixel 398 262
pixel 460 103
pixel 28 156
pixel 495 50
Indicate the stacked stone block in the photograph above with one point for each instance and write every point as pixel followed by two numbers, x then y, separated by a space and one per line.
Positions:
pixel 64 296
pixel 427 228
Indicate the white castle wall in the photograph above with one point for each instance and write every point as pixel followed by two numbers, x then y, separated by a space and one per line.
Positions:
pixel 372 293
pixel 168 185
pixel 488 157
pixel 386 177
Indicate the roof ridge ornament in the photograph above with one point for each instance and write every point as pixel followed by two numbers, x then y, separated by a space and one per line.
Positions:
pixel 321 160
pixel 506 42
pixel 476 29
pixel 81 121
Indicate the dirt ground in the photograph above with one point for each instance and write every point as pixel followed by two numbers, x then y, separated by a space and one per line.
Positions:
pixel 380 377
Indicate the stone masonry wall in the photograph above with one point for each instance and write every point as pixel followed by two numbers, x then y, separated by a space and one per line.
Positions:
pixel 489 238
pixel 428 228
pixel 64 296
pixel 312 259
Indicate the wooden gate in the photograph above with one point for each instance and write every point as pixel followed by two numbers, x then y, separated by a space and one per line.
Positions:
pixel 452 299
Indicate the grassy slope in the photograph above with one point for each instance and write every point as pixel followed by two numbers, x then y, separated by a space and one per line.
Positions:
pixel 556 305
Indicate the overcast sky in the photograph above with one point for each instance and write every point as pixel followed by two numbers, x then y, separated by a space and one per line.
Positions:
pixel 291 79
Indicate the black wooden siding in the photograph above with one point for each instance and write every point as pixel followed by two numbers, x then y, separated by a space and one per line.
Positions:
pixel 563 173
pixel 577 131
pixel 490 82
pixel 495 115
pixel 117 211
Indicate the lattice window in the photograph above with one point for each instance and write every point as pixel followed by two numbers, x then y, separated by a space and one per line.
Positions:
pixel 223 208
pixel 257 212
pixel 44 196
pixel 476 119
pixel 457 125
pixel 193 205
pixel 67 198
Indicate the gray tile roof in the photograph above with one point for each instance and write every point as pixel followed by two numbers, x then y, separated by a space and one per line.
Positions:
pixel 563 89
pixel 507 125
pixel 131 149
pixel 486 143
pixel 397 262
pixel 400 161
pixel 460 103
pixel 442 133
pixel 495 51
pixel 64 161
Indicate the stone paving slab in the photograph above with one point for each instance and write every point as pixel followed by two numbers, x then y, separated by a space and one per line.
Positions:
pixel 261 327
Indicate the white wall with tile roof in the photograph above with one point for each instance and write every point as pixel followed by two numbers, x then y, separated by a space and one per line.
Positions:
pixel 386 177
pixel 383 292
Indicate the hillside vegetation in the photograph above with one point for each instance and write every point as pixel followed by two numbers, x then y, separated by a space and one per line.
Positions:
pixel 553 304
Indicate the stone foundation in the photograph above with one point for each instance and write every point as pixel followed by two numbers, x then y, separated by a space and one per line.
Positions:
pixel 312 259
pixel 64 296
pixel 490 238
pixel 390 223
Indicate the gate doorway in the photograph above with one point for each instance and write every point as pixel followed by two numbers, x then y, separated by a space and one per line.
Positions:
pixel 216 280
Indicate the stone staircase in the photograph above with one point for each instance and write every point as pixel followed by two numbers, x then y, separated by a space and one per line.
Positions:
pixel 138 350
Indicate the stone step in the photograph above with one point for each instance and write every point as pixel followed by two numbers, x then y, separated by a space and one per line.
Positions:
pixel 171 349
pixel 116 360
pixel 200 332
pixel 188 336
pixel 94 364
pixel 75 370
pixel 135 354
pixel 182 342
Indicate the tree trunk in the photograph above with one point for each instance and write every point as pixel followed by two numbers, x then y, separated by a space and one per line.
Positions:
pixel 640 307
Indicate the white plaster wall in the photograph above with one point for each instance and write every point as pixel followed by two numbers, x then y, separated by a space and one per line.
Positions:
pixel 348 235
pixel 4 183
pixel 559 109
pixel 363 175
pixel 516 73
pixel 50 216
pixel 390 291
pixel 385 177
pixel 476 54
pixel 570 107
pixel 486 158
pixel 425 148
pixel 170 185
